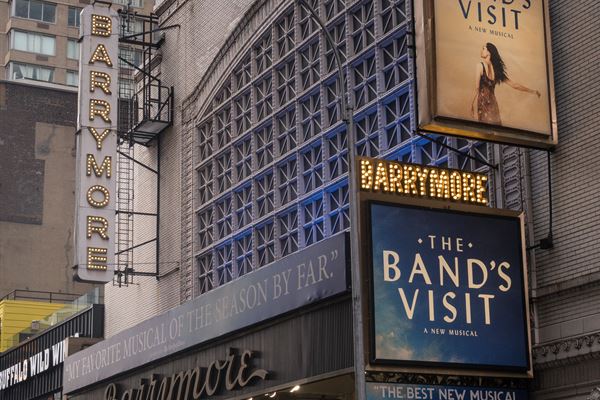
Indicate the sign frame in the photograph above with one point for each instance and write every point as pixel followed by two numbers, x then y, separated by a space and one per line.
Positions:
pixel 412 366
pixel 428 120
pixel 96 143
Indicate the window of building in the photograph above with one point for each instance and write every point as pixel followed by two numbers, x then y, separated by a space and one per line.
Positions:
pixel 243 158
pixel 74 16
pixel 205 147
pixel 265 194
pixel 288 228
pixel 264 146
pixel 312 167
pixel 33 43
pixel 224 264
pixel 205 227
pixel 243 206
pixel 243 253
pixel 72 78
pixel 337 150
pixel 223 169
pixel 314 230
pixel 126 88
pixel 265 243
pixel 367 136
pixel 263 98
pixel 34 9
pixel 284 28
pixel 131 3
pixel 286 131
pixel 310 65
pixel 339 209
pixel 30 71
pixel 72 49
pixel 132 55
pixel 205 184
pixel 132 26
pixel 310 113
pixel 205 272
pixel 223 209
pixel 288 178
pixel 286 82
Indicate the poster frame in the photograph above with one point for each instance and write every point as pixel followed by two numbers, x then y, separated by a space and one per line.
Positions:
pixel 428 120
pixel 414 366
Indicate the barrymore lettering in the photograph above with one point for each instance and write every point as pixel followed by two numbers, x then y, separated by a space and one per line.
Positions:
pixel 194 383
pixel 421 181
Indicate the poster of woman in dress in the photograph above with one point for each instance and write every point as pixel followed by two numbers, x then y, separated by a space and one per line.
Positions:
pixel 491 64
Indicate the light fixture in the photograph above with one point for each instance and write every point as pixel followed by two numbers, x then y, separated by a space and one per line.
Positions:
pixel 272 395
pixel 295 389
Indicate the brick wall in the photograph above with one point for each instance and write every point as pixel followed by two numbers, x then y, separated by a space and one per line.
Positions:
pixel 187 54
pixel 37 183
pixel 568 276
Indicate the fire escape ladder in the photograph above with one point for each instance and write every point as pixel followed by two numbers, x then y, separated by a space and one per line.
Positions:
pixel 125 194
pixel 151 103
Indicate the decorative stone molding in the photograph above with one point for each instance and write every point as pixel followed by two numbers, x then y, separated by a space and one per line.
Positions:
pixel 564 351
pixel 595 394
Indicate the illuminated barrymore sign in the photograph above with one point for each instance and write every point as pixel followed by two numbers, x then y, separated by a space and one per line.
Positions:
pixel 96 144
pixel 422 181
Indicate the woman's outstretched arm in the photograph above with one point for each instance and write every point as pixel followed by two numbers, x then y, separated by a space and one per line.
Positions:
pixel 522 88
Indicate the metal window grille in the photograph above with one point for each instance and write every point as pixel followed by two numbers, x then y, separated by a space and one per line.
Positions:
pixel 243 251
pixel 312 168
pixel 243 158
pixel 288 177
pixel 265 243
pixel 243 206
pixel 272 150
pixel 264 146
pixel 288 232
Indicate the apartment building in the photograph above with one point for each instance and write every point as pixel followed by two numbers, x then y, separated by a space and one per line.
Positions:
pixel 39 39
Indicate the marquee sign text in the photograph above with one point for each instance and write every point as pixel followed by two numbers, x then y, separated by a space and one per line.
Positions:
pixel 398 391
pixel 422 181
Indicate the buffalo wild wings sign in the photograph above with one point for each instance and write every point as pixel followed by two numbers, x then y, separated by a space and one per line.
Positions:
pixel 96 144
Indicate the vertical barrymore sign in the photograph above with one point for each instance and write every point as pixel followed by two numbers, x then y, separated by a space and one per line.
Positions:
pixel 96 144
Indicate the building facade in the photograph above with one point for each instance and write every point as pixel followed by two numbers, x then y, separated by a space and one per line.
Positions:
pixel 40 39
pixel 38 108
pixel 37 202
pixel 255 168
